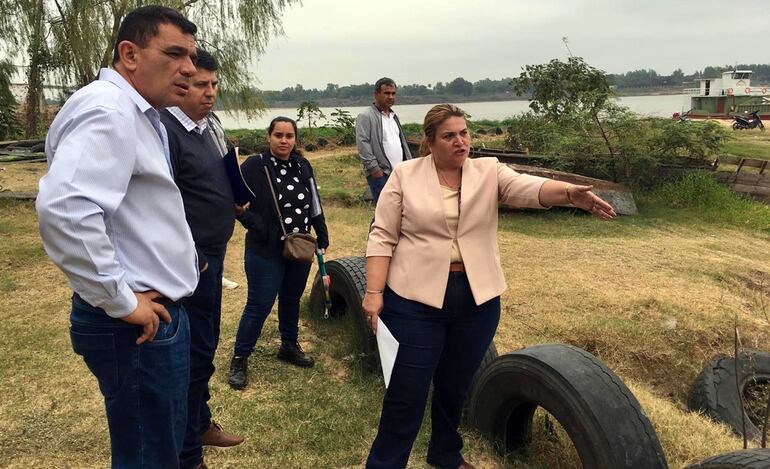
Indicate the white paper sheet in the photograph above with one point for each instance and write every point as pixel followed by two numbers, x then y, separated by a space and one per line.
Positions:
pixel 388 348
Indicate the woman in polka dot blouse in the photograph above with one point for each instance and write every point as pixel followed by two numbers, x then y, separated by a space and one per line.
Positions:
pixel 268 273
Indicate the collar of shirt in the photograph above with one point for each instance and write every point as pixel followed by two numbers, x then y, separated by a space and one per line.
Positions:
pixel 188 123
pixel 107 74
pixel 387 113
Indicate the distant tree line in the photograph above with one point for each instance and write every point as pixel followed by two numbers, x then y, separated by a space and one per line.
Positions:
pixel 488 88
pixel 651 79
pixel 457 87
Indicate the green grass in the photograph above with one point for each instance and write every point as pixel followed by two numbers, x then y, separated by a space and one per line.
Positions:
pixel 748 144
pixel 697 197
pixel 340 178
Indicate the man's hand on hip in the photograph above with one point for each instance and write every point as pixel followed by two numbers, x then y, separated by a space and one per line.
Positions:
pixel 378 174
pixel 148 315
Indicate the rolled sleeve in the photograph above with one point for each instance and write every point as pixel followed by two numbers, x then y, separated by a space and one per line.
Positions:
pixel 386 228
pixel 518 190
pixel 87 180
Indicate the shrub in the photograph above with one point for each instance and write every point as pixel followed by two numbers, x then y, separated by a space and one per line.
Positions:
pixel 621 147
pixel 710 201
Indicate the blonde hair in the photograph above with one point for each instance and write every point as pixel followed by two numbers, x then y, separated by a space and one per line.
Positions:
pixel 433 119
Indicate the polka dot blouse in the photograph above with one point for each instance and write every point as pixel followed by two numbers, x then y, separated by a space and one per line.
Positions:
pixel 293 196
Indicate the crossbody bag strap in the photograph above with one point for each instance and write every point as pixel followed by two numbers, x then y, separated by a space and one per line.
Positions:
pixel 275 199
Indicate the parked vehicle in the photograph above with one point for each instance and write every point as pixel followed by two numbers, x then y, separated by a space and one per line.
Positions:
pixel 744 123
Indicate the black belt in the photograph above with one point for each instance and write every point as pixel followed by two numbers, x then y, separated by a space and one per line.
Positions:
pixel 161 300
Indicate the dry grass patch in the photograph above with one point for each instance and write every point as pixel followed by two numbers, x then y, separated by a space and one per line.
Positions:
pixel 21 177
pixel 649 303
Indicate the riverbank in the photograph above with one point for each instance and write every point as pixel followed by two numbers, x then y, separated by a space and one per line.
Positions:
pixel 648 105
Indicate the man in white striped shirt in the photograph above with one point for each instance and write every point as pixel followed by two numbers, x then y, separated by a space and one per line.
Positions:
pixel 112 220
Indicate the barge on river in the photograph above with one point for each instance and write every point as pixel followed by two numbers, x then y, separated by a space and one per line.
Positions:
pixel 721 98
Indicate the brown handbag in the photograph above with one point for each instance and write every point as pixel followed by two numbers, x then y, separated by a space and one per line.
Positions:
pixel 297 247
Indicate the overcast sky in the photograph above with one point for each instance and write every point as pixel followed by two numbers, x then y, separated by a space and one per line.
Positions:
pixel 425 41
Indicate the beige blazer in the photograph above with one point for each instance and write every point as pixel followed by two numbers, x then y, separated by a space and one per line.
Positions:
pixel 410 227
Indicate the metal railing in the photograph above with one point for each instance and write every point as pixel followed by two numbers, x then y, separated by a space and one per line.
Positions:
pixel 747 108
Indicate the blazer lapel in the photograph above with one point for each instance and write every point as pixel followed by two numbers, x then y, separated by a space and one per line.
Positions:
pixel 470 186
pixel 434 190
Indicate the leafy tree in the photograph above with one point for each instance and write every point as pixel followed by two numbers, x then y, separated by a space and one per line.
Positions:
pixel 563 88
pixel 8 125
pixel 569 88
pixel 345 125
pixel 309 110
pixel 575 118
pixel 73 39
pixel 460 86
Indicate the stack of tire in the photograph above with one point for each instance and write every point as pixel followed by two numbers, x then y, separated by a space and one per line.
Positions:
pixel 605 422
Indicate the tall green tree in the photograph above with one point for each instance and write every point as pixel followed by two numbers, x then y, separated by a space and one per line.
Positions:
pixel 562 88
pixel 68 41
pixel 8 126
pixel 309 110
pixel 565 90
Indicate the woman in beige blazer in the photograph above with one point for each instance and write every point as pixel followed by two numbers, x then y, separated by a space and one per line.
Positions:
pixel 433 276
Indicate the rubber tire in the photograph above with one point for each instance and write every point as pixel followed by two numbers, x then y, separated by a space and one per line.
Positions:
pixel 743 459
pixel 736 126
pixel 608 427
pixel 347 286
pixel 714 391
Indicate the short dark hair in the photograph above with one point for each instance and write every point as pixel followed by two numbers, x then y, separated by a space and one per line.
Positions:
pixel 384 81
pixel 205 60
pixel 141 25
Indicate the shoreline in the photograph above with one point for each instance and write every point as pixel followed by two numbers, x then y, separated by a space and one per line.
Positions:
pixel 433 99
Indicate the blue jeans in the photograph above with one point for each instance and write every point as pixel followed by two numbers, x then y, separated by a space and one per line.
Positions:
pixel 268 277
pixel 204 309
pixel 376 185
pixel 444 346
pixel 144 386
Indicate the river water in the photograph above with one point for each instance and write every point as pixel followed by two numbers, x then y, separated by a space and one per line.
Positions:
pixel 657 106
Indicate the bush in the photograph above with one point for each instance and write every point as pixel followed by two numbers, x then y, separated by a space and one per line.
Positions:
pixel 621 146
pixel 710 201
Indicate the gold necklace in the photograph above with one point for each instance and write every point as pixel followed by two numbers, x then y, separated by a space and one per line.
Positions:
pixel 444 182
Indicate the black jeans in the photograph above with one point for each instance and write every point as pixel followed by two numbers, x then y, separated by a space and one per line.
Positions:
pixel 444 346
pixel 204 309
pixel 268 277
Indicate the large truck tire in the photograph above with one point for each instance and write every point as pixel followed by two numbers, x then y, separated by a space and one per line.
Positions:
pixel 716 393
pixel 605 422
pixel 743 459
pixel 347 285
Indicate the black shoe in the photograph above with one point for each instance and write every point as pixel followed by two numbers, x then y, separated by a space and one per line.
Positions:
pixel 238 372
pixel 291 352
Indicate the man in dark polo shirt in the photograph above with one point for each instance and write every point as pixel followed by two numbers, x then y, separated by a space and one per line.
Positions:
pixel 200 175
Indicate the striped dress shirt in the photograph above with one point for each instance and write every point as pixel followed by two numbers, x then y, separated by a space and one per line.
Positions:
pixel 110 215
